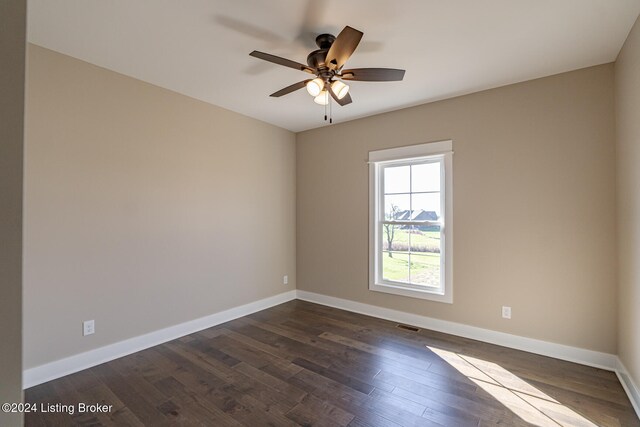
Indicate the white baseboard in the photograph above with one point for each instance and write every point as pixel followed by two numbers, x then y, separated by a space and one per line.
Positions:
pixel 630 387
pixel 559 351
pixel 78 362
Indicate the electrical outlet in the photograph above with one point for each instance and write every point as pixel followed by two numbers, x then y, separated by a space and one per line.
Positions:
pixel 88 327
pixel 506 312
pixel 285 280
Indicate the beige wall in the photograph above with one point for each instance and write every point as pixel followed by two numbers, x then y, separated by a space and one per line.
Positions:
pixel 534 207
pixel 12 52
pixel 144 208
pixel 627 94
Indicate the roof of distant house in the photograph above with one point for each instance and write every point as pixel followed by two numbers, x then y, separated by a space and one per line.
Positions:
pixel 416 215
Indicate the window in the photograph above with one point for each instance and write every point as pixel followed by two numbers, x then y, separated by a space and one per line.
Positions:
pixel 411 228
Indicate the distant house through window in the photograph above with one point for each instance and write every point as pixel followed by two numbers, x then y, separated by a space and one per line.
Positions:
pixel 410 220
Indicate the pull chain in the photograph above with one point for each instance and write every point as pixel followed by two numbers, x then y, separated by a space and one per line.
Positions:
pixel 330 112
pixel 325 112
pixel 330 116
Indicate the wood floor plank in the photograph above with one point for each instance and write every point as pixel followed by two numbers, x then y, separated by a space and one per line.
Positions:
pixel 305 364
pixel 120 416
pixel 324 408
pixel 420 362
pixel 193 407
pixel 70 396
pixel 45 394
pixel 308 413
pixel 137 403
pixel 334 375
pixel 372 420
pixel 292 392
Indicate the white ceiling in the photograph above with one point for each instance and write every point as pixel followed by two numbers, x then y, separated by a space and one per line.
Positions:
pixel 200 47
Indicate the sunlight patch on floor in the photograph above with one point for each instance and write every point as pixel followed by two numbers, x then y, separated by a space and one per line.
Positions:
pixel 520 397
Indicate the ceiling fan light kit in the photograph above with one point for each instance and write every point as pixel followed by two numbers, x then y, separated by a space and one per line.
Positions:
pixel 322 98
pixel 340 89
pixel 327 63
pixel 315 86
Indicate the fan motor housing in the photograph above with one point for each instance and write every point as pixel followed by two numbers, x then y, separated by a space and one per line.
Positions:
pixel 316 58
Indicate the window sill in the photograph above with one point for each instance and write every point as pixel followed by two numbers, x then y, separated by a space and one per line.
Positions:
pixel 411 292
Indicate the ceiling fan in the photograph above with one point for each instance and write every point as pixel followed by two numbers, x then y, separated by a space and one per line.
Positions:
pixel 327 63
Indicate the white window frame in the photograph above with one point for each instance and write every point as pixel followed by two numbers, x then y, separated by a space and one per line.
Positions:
pixel 441 151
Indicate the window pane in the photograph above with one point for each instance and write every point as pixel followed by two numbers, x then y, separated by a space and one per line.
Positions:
pixel 425 239
pixel 418 238
pixel 394 238
pixel 425 177
pixel 396 179
pixel 395 266
pixel 425 269
pixel 426 207
pixel 396 207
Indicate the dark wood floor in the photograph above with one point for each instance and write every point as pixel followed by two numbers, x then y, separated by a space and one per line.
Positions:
pixel 305 364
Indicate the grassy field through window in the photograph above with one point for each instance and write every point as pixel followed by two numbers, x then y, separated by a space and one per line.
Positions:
pixel 415 257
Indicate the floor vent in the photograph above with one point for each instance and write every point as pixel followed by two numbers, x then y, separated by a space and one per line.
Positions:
pixel 408 328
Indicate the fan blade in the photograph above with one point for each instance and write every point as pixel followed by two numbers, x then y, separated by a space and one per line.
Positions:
pixel 342 48
pixel 373 74
pixel 282 61
pixel 345 99
pixel 290 89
